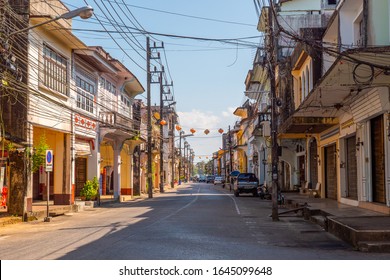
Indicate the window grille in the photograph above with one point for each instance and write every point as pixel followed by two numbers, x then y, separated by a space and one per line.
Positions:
pixel 85 95
pixel 55 71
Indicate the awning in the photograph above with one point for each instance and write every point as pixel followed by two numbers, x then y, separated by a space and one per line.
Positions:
pixel 82 147
pixel 92 56
pixel 350 76
pixel 241 112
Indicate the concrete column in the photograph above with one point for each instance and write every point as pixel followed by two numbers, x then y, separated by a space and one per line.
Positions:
pixel 131 170
pixel 94 161
pixel 117 147
pixel 72 165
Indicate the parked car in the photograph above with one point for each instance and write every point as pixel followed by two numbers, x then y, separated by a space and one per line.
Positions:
pixel 246 183
pixel 219 180
pixel 210 179
pixel 202 178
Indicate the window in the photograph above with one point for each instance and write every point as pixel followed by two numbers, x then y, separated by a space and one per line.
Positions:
pixel 85 95
pixel 311 75
pixel 300 89
pixel 55 71
pixel 307 82
pixel 125 104
pixel 359 26
pixel 332 2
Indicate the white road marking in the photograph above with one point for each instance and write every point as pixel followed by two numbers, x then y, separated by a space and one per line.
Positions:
pixel 235 204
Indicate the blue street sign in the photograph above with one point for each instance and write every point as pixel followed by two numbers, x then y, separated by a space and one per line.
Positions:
pixel 49 161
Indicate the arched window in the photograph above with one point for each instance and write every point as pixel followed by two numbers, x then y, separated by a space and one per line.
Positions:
pixel 307 81
pixel 311 75
pixel 300 90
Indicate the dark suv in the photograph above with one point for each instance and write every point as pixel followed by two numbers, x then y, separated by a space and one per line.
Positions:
pixel 246 183
pixel 210 179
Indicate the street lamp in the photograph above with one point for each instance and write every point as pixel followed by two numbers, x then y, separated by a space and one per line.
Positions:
pixel 83 12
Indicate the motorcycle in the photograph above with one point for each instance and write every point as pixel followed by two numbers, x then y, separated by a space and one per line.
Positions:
pixel 263 192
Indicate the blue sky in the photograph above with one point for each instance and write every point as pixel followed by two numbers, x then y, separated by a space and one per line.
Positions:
pixel 208 76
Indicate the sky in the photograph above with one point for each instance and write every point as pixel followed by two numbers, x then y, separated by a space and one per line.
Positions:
pixel 208 73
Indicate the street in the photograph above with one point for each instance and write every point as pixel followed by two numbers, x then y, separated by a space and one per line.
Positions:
pixel 193 222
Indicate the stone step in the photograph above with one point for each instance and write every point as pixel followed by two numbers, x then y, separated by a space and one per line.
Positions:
pixel 320 220
pixel 374 246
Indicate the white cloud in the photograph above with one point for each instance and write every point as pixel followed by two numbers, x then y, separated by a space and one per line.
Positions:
pixel 202 144
pixel 228 112
pixel 198 120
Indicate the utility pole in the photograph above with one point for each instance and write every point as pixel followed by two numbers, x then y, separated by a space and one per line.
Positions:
pixel 149 125
pixel 161 134
pixel 149 106
pixel 230 151
pixel 173 150
pixel 162 110
pixel 181 136
pixel 272 58
pixel 180 157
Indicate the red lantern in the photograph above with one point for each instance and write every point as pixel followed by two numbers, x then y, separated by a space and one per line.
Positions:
pixel 178 127
pixel 163 122
pixel 206 131
pixel 192 130
pixel 220 130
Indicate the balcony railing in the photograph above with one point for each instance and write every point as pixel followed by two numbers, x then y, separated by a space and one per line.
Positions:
pixel 262 117
pixel 116 120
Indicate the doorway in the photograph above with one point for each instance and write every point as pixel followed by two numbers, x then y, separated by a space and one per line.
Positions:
pixel 81 174
pixel 330 172
pixel 351 168
pixel 378 160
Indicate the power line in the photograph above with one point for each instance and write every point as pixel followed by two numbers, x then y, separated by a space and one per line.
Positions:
pixel 235 41
pixel 188 16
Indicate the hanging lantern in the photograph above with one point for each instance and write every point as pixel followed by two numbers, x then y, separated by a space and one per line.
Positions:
pixel 206 131
pixel 163 122
pixel 192 130
pixel 178 127
pixel 220 130
pixel 156 115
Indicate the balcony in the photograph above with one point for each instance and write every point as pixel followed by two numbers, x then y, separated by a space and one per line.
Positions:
pixel 116 120
pixel 262 125
pixel 261 117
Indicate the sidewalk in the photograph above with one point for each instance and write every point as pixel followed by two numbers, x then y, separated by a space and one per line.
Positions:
pixel 39 208
pixel 364 229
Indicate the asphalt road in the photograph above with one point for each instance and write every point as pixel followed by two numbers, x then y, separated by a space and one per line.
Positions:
pixel 194 222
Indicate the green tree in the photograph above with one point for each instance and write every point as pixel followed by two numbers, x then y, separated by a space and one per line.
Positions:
pixel 38 157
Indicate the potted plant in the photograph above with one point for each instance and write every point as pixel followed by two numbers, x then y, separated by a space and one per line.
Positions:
pixel 90 189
